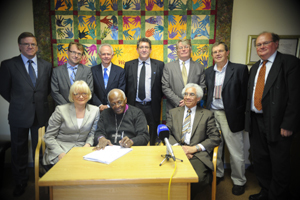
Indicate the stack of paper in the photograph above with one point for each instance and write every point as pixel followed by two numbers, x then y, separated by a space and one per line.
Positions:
pixel 109 154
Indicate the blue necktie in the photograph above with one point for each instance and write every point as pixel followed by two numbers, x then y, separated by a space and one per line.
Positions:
pixel 105 77
pixel 31 72
pixel 73 75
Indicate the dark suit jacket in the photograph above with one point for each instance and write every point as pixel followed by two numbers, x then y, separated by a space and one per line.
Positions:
pixel 24 99
pixel 157 67
pixel 234 93
pixel 204 131
pixel 116 80
pixel 280 100
pixel 60 82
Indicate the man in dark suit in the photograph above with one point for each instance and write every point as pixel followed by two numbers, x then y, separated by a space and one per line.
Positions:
pixel 272 116
pixel 143 85
pixel 226 84
pixel 106 77
pixel 180 72
pixel 195 130
pixel 65 75
pixel 25 84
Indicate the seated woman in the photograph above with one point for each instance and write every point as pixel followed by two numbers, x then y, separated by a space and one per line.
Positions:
pixel 71 125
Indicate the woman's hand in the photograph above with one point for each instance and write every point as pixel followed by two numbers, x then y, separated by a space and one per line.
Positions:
pixel 61 156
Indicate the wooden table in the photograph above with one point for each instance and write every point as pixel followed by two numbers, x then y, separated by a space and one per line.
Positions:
pixel 137 175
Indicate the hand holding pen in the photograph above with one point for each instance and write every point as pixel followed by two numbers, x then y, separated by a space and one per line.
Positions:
pixel 125 141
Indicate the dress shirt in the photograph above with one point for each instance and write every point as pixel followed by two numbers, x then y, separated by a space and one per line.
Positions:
pixel 187 66
pixel 147 80
pixel 70 69
pixel 217 104
pixel 268 68
pixel 107 71
pixel 34 64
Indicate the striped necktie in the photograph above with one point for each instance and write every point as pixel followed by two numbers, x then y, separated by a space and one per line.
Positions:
pixel 184 73
pixel 31 72
pixel 73 75
pixel 186 127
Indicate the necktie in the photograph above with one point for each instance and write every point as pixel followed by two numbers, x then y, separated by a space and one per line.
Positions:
pixel 186 127
pixel 105 77
pixel 31 72
pixel 260 85
pixel 142 94
pixel 184 73
pixel 73 75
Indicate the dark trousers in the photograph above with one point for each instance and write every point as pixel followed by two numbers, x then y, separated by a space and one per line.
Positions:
pixel 19 150
pixel 147 109
pixel 271 160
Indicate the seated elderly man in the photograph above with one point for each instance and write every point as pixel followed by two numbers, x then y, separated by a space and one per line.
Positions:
pixel 195 130
pixel 121 124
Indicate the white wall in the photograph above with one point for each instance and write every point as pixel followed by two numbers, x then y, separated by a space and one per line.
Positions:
pixel 12 24
pixel 255 16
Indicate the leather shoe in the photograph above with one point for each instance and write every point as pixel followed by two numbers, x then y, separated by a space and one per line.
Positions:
pixel 259 196
pixel 238 189
pixel 219 179
pixel 19 189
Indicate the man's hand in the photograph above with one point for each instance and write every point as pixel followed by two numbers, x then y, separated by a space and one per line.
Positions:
pixel 286 133
pixel 61 156
pixel 102 143
pixel 126 142
pixel 102 107
pixel 189 151
pixel 181 103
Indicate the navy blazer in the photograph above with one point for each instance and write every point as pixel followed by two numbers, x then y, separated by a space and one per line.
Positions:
pixel 234 93
pixel 116 80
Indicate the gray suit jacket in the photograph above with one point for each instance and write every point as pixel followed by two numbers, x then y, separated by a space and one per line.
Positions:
pixel 172 82
pixel 63 133
pixel 204 131
pixel 60 82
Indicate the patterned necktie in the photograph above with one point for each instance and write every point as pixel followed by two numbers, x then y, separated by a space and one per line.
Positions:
pixel 184 73
pixel 105 77
pixel 31 72
pixel 73 75
pixel 142 94
pixel 260 85
pixel 186 127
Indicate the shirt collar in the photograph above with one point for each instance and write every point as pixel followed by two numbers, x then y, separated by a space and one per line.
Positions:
pixel 271 58
pixel 185 62
pixel 71 67
pixel 146 61
pixel 193 109
pixel 108 68
pixel 25 60
pixel 223 69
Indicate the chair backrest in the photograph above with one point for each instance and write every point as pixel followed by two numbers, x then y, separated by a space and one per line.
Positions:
pixel 40 144
pixel 214 181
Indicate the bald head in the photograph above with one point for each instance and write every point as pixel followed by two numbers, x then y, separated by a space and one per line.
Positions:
pixel 117 100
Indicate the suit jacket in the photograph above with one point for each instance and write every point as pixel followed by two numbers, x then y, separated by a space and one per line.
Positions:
pixel 172 82
pixel 60 82
pixel 116 80
pixel 63 133
pixel 234 93
pixel 204 131
pixel 25 100
pixel 131 69
pixel 280 100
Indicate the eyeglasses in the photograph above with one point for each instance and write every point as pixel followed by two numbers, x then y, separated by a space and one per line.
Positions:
pixel 264 43
pixel 77 95
pixel 117 103
pixel 75 53
pixel 191 94
pixel 144 47
pixel 220 51
pixel 28 44
pixel 184 47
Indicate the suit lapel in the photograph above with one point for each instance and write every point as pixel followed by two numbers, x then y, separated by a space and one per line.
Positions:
pixel 21 67
pixel 73 115
pixel 66 74
pixel 112 76
pixel 198 117
pixel 211 76
pixel 99 76
pixel 153 71
pixel 40 72
pixel 228 74
pixel 86 115
pixel 191 71
pixel 177 72
pixel 179 122
pixel 134 69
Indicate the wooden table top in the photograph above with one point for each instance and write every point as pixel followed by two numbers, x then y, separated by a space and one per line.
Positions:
pixel 141 165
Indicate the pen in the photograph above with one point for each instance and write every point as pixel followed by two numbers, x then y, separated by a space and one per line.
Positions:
pixel 122 134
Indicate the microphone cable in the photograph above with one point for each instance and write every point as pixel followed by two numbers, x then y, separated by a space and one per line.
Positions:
pixel 169 189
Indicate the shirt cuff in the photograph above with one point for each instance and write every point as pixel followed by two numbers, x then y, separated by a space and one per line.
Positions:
pixel 202 147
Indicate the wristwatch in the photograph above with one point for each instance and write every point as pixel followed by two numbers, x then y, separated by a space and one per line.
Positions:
pixel 198 148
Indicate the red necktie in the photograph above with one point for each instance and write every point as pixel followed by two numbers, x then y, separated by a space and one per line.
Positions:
pixel 260 85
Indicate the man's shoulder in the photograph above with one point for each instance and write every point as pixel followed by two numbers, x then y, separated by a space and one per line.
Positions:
pixel 84 67
pixel 156 61
pixel 287 57
pixel 131 62
pixel 237 66
pixel 61 67
pixel 116 68
pixel 172 63
pixel 11 60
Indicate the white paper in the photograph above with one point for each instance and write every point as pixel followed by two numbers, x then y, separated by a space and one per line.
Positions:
pixel 108 155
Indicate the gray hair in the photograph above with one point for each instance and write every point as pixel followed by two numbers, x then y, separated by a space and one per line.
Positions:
pixel 199 90
pixel 115 90
pixel 106 45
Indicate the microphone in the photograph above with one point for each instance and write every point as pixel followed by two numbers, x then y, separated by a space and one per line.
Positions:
pixel 163 133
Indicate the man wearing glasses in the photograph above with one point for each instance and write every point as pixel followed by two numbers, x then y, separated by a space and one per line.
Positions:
pixel 25 84
pixel 143 85
pixel 272 116
pixel 65 75
pixel 180 72
pixel 121 124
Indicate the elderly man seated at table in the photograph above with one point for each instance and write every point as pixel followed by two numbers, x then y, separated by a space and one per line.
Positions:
pixel 195 130
pixel 121 124
pixel 71 125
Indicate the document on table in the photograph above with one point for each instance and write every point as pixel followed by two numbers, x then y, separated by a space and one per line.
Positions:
pixel 108 155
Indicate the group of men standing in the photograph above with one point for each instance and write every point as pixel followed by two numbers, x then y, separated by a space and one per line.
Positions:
pixel 268 97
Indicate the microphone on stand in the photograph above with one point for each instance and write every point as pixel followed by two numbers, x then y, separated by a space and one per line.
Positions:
pixel 163 133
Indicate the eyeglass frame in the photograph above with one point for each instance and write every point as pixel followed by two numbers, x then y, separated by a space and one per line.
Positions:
pixel 29 44
pixel 76 53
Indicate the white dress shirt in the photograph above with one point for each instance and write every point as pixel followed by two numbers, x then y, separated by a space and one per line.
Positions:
pixel 147 80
